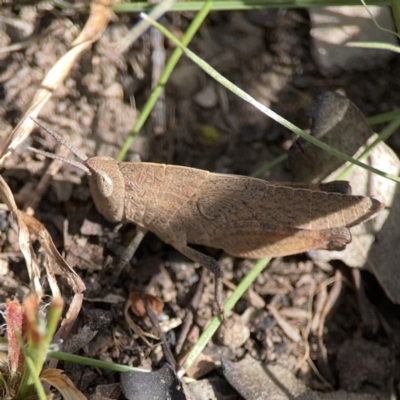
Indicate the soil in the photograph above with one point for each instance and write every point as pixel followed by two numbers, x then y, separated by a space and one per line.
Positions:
pixel 266 53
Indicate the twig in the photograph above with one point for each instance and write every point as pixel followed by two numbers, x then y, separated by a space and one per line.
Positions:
pixel 187 322
pixel 153 318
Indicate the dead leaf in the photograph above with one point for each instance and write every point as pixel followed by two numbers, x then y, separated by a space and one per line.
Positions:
pixel 88 257
pixel 136 328
pixel 47 243
pixel 24 237
pixel 378 256
pixel 337 122
pixel 257 381
pixel 62 383
pixel 340 124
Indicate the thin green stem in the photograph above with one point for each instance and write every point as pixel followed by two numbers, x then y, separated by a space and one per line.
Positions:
pixel 383 136
pixel 385 117
pixel 242 94
pixel 91 362
pixel 155 94
pixel 35 377
pixel 270 165
pixel 375 45
pixel 224 5
pixel 382 28
pixel 53 318
pixel 228 306
pixel 396 13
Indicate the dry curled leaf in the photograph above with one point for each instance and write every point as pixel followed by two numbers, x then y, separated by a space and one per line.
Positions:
pixel 100 15
pixel 378 256
pixel 62 383
pixel 136 328
pixel 27 226
pixel 24 237
pixel 339 123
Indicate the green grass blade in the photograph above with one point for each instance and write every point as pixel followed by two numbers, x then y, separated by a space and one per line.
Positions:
pixel 242 94
pixel 382 118
pixel 272 164
pixel 374 45
pixel 176 55
pixel 3 383
pixel 396 13
pixel 35 376
pixel 224 5
pixel 91 362
pixel 228 306
pixel 156 12
pixel 53 318
pixel 374 19
pixel 383 136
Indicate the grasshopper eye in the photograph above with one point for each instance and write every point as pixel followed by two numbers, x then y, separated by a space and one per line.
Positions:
pixel 104 184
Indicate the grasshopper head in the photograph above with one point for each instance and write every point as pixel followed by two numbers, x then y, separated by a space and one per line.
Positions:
pixel 107 186
pixel 105 179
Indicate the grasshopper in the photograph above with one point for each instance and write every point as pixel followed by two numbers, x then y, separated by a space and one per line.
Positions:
pixel 246 217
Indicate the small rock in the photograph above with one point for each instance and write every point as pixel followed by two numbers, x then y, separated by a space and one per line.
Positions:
pixel 207 97
pixel 233 333
pixel 4 267
pixel 115 90
pixel 91 228
pixel 184 81
pixel 202 366
pixel 332 27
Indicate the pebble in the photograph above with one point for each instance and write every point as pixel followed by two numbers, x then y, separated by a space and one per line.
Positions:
pixel 184 81
pixel 332 27
pixel 233 333
pixel 207 97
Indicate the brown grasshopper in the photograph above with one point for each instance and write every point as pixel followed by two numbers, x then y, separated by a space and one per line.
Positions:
pixel 246 217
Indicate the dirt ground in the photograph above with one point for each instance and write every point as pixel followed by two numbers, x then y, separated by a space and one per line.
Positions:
pixel 199 124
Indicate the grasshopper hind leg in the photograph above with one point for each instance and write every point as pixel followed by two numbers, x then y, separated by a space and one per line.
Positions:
pixel 336 238
pixel 209 263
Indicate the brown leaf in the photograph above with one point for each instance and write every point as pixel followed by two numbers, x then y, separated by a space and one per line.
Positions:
pixel 24 238
pixel 28 225
pixel 47 243
pixel 379 256
pixel 337 122
pixel 62 383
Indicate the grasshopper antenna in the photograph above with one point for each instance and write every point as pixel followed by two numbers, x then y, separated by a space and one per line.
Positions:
pixel 77 152
pixel 76 164
pixel 72 148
